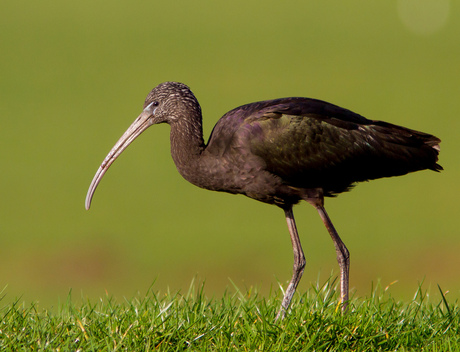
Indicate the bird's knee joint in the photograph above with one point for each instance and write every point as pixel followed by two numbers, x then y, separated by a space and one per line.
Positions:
pixel 344 258
pixel 299 265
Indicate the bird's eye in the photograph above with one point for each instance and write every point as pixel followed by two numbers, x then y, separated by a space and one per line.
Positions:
pixel 155 103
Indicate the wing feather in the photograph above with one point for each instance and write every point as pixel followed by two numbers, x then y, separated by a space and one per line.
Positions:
pixel 310 143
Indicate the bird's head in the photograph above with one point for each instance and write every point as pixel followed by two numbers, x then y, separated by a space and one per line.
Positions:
pixel 166 103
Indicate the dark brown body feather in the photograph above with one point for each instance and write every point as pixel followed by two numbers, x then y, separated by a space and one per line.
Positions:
pixel 310 143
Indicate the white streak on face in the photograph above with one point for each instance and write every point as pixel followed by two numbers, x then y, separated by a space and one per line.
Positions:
pixel 148 107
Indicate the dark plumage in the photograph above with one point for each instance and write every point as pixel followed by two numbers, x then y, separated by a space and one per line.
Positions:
pixel 280 152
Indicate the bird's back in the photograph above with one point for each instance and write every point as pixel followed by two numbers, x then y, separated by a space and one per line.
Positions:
pixel 314 144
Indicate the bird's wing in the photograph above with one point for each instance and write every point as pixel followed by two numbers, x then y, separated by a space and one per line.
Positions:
pixel 310 143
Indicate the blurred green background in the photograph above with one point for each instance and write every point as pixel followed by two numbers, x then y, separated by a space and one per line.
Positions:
pixel 74 76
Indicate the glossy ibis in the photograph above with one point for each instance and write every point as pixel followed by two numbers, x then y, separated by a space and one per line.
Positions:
pixel 280 152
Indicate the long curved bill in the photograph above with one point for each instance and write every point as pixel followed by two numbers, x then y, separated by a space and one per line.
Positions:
pixel 143 121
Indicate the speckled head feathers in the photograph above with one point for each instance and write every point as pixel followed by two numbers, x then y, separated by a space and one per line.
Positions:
pixel 174 96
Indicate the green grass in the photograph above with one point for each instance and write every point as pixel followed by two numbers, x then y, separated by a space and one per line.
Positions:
pixel 237 321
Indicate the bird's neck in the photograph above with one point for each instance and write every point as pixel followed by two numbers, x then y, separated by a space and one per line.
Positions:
pixel 187 145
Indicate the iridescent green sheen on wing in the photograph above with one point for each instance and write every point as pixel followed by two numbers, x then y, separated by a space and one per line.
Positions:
pixel 310 150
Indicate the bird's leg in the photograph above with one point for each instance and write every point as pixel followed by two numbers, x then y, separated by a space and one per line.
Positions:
pixel 299 263
pixel 343 256
pixel 315 198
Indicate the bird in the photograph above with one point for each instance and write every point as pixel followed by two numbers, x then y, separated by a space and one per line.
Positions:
pixel 280 152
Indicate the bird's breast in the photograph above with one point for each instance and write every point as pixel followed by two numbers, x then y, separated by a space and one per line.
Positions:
pixel 240 173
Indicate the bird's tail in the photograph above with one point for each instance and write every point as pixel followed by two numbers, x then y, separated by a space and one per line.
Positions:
pixel 418 150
